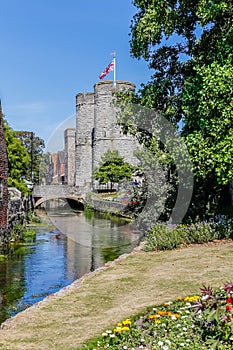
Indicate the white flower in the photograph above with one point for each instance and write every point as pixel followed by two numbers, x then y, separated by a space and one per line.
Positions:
pixel 168 341
pixel 160 343
pixel 178 325
pixel 182 344
pixel 125 347
pixel 185 316
pixel 142 340
pixel 165 347
pixel 112 335
pixel 108 331
pixel 188 340
pixel 184 329
pixel 104 334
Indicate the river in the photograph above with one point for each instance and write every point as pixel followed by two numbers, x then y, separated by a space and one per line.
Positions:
pixel 75 245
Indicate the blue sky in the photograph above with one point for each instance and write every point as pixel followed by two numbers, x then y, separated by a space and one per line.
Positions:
pixel 53 49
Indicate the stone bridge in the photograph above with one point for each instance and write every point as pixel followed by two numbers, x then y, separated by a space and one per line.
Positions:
pixel 47 192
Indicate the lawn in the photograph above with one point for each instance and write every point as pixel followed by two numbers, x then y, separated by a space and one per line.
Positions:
pixel 117 292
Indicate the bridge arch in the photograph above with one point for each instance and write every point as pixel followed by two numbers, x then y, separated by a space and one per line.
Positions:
pixel 45 193
pixel 39 201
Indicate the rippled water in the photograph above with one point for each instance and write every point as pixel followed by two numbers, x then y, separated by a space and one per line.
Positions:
pixel 76 245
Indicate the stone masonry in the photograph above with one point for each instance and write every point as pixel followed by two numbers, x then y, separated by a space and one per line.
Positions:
pixel 3 181
pixel 70 135
pixel 97 130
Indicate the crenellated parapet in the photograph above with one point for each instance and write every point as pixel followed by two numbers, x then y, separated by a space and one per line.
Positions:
pixel 82 98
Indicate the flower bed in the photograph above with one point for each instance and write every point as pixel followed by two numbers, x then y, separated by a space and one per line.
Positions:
pixel 195 322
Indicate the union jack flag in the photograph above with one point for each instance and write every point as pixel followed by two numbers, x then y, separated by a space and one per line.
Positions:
pixel 108 69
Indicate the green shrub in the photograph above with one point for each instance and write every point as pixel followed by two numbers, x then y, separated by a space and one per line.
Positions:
pixel 163 237
pixel 21 234
pixel 166 237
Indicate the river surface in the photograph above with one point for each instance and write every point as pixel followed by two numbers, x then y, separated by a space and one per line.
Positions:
pixel 77 244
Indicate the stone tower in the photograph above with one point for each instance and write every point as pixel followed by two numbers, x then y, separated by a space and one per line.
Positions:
pixel 97 130
pixel 70 135
pixel 84 138
pixel 3 180
pixel 107 134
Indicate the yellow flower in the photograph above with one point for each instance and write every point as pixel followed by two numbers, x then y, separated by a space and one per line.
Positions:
pixel 119 324
pixel 179 298
pixel 117 330
pixel 192 299
pixel 157 321
pixel 127 322
pixel 153 316
pixel 121 329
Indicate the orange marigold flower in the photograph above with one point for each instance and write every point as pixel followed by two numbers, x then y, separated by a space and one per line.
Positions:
pixel 161 313
pixel 179 298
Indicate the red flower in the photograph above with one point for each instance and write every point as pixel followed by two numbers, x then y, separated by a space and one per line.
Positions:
pixel 229 300
pixel 228 308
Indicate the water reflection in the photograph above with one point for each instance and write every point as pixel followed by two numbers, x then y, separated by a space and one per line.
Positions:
pixel 78 244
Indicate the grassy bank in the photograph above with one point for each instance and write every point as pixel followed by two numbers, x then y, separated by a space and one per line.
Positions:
pixel 105 297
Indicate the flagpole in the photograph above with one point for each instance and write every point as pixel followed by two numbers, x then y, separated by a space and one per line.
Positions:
pixel 114 67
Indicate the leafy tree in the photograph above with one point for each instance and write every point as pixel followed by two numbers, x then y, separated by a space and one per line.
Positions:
pixel 189 44
pixel 113 169
pixel 34 146
pixel 18 159
pixel 44 167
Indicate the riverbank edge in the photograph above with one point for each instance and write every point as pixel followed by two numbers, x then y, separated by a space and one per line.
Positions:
pixel 74 285
pixel 78 282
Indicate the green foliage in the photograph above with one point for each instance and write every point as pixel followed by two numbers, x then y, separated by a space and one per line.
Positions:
pixel 22 235
pixel 168 237
pixel 32 217
pixel 18 159
pixel 34 146
pixel 44 165
pixel 189 47
pixel 113 169
pixel 215 315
